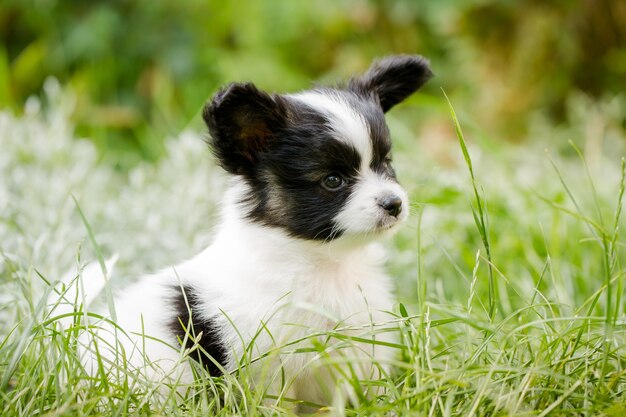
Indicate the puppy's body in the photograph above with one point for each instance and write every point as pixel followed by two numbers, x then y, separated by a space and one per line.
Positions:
pixel 254 283
pixel 295 252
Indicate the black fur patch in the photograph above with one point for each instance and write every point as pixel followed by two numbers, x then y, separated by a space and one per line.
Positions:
pixel 287 189
pixel 188 321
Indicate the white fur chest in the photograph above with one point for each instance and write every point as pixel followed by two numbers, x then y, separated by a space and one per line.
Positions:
pixel 257 279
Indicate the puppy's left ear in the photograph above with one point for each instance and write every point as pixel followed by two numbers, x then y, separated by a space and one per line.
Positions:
pixel 393 79
pixel 242 121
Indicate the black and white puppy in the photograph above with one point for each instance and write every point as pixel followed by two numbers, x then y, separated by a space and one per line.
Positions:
pixel 312 189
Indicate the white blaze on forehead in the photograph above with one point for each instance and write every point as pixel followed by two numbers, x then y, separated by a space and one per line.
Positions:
pixel 346 122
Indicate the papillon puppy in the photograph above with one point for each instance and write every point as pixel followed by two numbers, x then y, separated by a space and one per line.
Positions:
pixel 292 289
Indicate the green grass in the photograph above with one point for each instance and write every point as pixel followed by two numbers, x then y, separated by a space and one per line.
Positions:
pixel 509 275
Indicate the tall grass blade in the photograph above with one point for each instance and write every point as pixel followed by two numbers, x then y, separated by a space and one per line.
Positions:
pixel 479 213
pixel 100 258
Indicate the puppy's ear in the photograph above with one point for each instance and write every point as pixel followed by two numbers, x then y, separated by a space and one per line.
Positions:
pixel 393 79
pixel 242 121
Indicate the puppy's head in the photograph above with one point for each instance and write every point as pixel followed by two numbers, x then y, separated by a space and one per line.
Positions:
pixel 317 164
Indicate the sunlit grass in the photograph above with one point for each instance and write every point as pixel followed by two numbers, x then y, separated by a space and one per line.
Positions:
pixel 532 326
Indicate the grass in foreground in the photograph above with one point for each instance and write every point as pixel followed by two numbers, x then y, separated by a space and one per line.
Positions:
pixel 511 305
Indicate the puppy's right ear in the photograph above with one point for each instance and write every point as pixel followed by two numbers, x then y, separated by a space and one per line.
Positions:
pixel 393 79
pixel 242 121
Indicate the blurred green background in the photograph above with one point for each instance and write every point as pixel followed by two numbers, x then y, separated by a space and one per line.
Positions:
pixel 142 69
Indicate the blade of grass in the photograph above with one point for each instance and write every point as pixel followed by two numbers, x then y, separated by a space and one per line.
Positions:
pixel 479 214
pixel 100 258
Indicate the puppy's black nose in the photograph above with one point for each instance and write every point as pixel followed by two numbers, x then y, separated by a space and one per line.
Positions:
pixel 392 204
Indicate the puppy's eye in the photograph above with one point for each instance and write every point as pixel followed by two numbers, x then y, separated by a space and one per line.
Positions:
pixel 333 182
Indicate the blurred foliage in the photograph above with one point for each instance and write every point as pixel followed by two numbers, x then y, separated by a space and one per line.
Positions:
pixel 142 69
